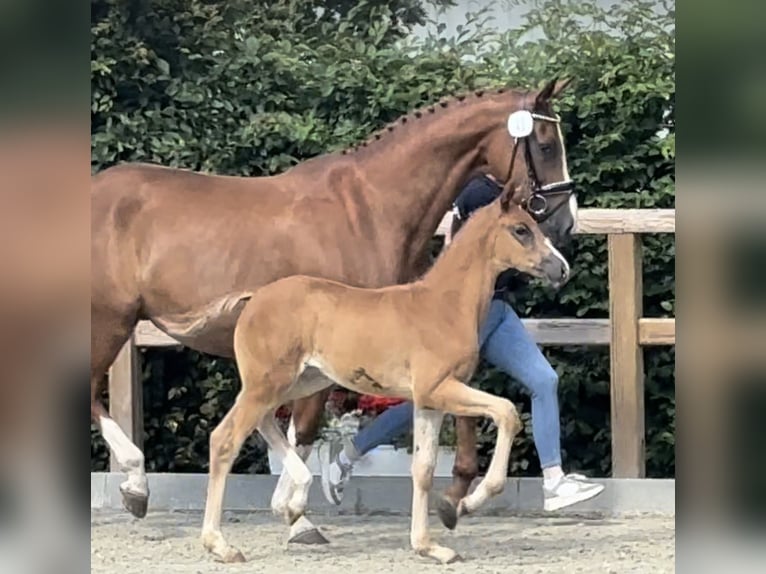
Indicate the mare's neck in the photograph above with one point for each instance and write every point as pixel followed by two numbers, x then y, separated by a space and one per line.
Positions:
pixel 464 275
pixel 417 169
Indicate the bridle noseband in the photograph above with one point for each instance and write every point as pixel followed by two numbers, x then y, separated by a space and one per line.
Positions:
pixel 537 203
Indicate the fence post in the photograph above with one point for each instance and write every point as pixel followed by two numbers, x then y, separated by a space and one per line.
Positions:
pixel 125 395
pixel 626 356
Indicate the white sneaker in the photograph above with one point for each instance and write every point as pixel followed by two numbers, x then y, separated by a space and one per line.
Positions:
pixel 335 474
pixel 570 489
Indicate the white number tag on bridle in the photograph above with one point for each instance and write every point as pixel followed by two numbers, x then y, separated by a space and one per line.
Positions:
pixel 520 124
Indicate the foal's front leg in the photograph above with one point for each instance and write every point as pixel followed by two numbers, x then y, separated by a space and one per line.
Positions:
pixel 426 441
pixel 457 398
pixel 464 470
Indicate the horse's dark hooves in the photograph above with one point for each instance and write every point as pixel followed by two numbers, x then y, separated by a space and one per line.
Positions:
pixel 309 537
pixel 447 511
pixel 135 503
pixel 455 558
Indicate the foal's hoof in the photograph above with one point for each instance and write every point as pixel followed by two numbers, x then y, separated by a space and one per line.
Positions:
pixel 441 554
pixel 233 557
pixel 447 511
pixel 214 543
pixel 456 558
pixel 229 556
pixel 136 503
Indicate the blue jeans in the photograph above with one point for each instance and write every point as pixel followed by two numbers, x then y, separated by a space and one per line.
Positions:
pixel 504 343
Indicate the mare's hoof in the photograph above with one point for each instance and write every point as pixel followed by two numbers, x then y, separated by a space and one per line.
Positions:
pixel 447 511
pixel 134 502
pixel 312 536
pixel 440 554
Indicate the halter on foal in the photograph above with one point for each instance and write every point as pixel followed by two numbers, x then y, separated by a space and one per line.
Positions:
pixel 418 341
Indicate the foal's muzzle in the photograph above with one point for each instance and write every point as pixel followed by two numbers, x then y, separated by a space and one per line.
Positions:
pixel 556 270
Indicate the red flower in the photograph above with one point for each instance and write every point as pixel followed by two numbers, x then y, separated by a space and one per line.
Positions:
pixel 376 405
pixel 283 412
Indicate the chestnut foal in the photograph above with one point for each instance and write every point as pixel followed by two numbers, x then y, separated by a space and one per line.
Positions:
pixel 417 341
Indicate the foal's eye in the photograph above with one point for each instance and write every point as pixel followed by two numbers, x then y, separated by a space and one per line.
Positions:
pixel 521 231
pixel 546 149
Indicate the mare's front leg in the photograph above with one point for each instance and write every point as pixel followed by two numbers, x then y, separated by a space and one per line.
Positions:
pixel 464 471
pixel 455 397
pixel 426 440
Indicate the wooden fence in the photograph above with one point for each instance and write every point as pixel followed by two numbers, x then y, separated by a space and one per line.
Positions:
pixel 626 331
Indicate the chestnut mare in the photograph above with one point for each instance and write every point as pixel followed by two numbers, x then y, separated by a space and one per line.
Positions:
pixel 394 341
pixel 181 248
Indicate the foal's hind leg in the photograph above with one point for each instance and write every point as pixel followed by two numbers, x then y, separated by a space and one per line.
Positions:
pixel 225 443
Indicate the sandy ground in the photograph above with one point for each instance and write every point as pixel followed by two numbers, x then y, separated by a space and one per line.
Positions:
pixel 169 543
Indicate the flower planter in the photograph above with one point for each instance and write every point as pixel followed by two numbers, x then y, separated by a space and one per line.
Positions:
pixel 384 460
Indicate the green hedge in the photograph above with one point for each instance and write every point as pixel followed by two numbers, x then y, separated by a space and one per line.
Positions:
pixel 251 88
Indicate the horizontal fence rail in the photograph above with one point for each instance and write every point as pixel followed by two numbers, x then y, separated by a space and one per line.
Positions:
pixel 548 332
pixel 626 331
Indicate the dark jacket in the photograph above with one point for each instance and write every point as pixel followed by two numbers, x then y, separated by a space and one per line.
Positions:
pixel 477 193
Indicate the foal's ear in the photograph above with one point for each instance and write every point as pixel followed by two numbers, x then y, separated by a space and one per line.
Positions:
pixel 510 196
pixel 552 89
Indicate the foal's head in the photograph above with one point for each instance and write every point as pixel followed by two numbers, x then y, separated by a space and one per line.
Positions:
pixel 516 241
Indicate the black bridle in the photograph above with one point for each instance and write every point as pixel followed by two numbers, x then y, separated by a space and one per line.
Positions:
pixel 537 204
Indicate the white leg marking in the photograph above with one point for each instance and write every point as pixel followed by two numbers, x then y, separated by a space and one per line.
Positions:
pixel 292 463
pixel 284 489
pixel 427 424
pixel 128 455
pixel 286 486
pixel 558 254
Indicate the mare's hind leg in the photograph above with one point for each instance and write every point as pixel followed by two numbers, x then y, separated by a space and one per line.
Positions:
pixel 302 531
pixel 307 415
pixel 293 464
pixel 284 488
pixel 109 332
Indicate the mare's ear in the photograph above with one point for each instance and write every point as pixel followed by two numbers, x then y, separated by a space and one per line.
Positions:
pixel 552 89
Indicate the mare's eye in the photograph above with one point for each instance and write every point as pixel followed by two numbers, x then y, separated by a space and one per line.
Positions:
pixel 546 149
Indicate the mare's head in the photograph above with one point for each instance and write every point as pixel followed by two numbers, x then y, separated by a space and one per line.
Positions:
pixel 517 242
pixel 528 152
